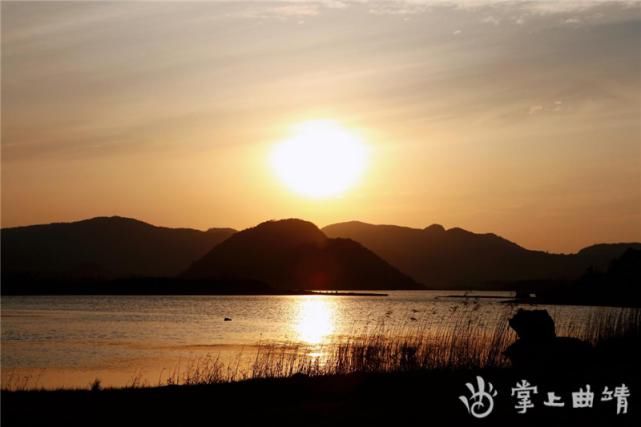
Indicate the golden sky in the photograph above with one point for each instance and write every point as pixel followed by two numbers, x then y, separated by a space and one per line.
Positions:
pixel 522 119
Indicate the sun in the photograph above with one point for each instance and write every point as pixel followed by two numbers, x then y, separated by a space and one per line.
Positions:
pixel 321 159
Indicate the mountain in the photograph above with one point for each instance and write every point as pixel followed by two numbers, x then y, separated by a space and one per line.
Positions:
pixel 295 254
pixel 459 259
pixel 626 270
pixel 618 285
pixel 622 278
pixel 602 255
pixel 103 247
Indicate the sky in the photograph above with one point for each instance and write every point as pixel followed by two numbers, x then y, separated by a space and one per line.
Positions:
pixel 518 118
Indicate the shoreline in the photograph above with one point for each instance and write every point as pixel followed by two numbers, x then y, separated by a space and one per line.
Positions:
pixel 250 293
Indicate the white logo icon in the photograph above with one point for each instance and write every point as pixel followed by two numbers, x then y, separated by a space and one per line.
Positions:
pixel 481 401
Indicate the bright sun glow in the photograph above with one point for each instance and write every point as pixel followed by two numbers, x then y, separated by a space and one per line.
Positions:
pixel 315 320
pixel 321 159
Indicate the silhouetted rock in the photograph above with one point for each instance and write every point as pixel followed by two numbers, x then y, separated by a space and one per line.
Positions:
pixel 533 325
pixel 104 247
pixel 459 259
pixel 295 254
pixel 538 347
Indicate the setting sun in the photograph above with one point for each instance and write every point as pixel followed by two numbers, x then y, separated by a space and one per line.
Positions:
pixel 321 159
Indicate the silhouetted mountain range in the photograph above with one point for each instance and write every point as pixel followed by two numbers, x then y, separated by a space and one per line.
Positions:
pixel 459 259
pixel 295 254
pixel 104 247
pixel 288 254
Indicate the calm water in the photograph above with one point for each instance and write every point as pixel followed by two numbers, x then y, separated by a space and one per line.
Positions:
pixel 67 341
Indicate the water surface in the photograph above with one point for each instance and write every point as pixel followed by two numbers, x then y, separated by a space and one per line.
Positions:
pixel 68 341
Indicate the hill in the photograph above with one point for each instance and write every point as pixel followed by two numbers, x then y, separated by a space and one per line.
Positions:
pixel 459 259
pixel 103 248
pixel 295 254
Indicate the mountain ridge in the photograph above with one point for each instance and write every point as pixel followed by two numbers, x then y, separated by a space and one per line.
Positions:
pixel 459 259
pixel 118 247
pixel 103 247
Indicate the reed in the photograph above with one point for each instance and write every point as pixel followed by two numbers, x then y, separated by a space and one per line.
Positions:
pixel 466 341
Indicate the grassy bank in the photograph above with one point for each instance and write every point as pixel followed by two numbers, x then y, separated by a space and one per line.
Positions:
pixel 425 397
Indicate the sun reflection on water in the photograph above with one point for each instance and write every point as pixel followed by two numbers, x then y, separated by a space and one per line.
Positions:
pixel 315 320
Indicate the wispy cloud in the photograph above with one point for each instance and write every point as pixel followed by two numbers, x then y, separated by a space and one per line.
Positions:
pixel 269 8
pixel 491 20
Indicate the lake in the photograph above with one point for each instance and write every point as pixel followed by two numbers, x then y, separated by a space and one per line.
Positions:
pixel 68 341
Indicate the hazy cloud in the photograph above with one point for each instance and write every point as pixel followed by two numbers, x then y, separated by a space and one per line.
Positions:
pixel 491 20
pixel 408 7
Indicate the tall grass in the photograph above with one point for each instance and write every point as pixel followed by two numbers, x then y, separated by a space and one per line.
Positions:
pixel 466 342
pixel 613 325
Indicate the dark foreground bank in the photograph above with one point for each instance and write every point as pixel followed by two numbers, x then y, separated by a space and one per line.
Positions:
pixel 428 397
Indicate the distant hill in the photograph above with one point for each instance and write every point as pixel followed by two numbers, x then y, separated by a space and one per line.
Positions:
pixel 618 285
pixel 295 254
pixel 459 259
pixel 622 277
pixel 104 248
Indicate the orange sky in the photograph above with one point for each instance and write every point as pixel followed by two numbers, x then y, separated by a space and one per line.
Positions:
pixel 519 119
